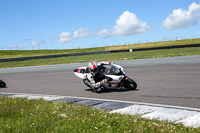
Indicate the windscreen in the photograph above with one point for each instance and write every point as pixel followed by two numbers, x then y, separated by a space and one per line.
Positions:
pixel 111 70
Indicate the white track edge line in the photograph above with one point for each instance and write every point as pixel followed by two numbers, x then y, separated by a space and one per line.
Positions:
pixel 110 100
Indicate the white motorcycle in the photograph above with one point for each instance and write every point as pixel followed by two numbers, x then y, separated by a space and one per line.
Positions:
pixel 113 73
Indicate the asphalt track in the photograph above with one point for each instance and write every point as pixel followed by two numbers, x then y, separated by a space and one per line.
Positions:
pixel 168 81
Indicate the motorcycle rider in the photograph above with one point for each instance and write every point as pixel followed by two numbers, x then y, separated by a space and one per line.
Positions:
pixel 94 75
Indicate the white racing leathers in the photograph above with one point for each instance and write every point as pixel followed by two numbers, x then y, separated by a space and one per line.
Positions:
pixel 91 76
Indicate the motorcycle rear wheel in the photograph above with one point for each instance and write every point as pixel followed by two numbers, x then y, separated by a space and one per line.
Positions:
pixel 2 84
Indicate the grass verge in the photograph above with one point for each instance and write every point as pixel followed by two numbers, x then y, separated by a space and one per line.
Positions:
pixel 24 53
pixel 106 57
pixel 22 115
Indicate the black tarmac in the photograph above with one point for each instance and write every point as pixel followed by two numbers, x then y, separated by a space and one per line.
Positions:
pixel 168 81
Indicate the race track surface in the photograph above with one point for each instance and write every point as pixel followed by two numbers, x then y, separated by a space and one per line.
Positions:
pixel 168 81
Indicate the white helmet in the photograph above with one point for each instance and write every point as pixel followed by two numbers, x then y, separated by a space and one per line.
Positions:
pixel 93 66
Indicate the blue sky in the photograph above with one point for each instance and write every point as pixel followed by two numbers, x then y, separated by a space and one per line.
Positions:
pixel 65 24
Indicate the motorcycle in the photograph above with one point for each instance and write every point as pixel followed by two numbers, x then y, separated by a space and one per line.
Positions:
pixel 2 84
pixel 114 74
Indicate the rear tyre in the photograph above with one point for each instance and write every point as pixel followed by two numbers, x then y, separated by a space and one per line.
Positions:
pixel 2 84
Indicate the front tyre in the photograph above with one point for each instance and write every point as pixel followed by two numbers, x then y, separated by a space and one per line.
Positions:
pixel 130 84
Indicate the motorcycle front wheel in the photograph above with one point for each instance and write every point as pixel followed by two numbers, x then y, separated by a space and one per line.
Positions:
pixel 2 84
pixel 130 84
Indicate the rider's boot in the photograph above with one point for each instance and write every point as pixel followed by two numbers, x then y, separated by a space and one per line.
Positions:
pixel 97 90
pixel 90 85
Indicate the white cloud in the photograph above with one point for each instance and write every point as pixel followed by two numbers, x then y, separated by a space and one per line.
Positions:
pixel 129 24
pixel 64 34
pixel 33 44
pixel 103 33
pixel 66 39
pixel 181 18
pixel 81 33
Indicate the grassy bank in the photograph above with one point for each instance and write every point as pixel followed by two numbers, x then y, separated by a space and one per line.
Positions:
pixel 24 53
pixel 156 44
pixel 106 57
pixel 22 115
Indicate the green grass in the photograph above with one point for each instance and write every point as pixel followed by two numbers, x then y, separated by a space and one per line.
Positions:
pixel 33 116
pixel 24 53
pixel 106 57
pixel 156 44
pixel 22 115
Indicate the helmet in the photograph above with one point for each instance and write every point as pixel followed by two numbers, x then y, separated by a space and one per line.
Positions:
pixel 92 66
